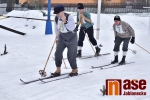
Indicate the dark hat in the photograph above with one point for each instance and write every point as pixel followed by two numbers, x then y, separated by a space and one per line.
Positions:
pixel 117 18
pixel 58 9
pixel 80 6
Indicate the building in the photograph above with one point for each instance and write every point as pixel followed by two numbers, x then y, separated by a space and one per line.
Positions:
pixel 91 1
pixel 64 1
pixel 113 1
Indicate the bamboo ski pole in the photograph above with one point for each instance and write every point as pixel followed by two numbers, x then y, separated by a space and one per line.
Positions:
pixel 63 61
pixel 142 48
pixel 90 43
pixel 86 36
pixel 42 72
pixel 133 51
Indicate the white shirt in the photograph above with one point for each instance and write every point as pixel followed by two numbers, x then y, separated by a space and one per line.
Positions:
pixel 63 28
pixel 83 20
pixel 70 26
pixel 119 29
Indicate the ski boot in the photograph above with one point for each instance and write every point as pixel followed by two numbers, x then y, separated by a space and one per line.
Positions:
pixel 122 62
pixel 97 51
pixel 79 54
pixel 115 60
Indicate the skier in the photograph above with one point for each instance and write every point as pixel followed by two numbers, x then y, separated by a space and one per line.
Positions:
pixel 65 38
pixel 84 18
pixel 123 32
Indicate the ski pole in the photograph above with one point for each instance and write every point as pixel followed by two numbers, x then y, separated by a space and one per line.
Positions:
pixel 42 72
pixel 90 43
pixel 133 51
pixel 142 48
pixel 63 61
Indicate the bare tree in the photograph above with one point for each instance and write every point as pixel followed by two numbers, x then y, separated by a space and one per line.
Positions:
pixel 37 4
pixel 10 5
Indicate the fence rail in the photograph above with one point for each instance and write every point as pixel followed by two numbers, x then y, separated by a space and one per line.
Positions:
pixel 92 8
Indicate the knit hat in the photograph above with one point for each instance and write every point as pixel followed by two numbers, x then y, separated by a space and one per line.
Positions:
pixel 58 9
pixel 80 6
pixel 117 18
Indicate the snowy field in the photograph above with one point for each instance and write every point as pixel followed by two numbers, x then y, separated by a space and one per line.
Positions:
pixel 28 54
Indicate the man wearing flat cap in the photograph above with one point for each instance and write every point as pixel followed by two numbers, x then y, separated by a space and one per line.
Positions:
pixel 84 18
pixel 65 38
pixel 123 32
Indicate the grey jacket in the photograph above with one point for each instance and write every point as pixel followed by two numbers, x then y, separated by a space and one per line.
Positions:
pixel 129 31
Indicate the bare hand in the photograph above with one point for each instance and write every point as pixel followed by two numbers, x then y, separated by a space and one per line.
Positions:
pixel 81 15
pixel 78 22
pixel 64 19
pixel 56 42
pixel 81 21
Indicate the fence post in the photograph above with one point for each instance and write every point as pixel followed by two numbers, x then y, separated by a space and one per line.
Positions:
pixel 48 23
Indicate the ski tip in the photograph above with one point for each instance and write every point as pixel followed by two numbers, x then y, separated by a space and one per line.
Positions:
pixel 23 81
pixel 101 90
pixel 42 80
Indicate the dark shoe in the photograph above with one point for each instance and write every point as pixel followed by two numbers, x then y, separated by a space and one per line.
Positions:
pixel 55 74
pixel 74 72
pixel 97 51
pixel 115 60
pixel 122 62
pixel 79 53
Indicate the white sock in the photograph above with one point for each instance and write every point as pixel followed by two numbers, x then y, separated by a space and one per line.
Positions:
pixel 124 53
pixel 79 48
pixel 115 53
pixel 96 45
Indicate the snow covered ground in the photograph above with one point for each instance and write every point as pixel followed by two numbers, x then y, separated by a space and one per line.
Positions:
pixel 28 54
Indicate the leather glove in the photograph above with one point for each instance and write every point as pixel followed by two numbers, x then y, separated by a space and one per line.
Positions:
pixel 132 40
pixel 76 28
